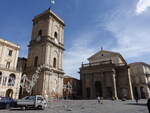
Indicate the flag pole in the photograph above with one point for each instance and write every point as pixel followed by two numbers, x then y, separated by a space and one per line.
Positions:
pixel 51 3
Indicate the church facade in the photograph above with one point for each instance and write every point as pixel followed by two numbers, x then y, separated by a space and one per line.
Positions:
pixel 106 75
pixel 47 48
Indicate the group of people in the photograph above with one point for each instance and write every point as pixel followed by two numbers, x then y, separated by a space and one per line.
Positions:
pixel 100 101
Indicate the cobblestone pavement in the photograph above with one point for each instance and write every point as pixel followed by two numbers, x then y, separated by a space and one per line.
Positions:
pixel 88 106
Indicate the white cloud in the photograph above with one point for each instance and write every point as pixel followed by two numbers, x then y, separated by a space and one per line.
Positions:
pixel 79 52
pixel 131 33
pixel 142 6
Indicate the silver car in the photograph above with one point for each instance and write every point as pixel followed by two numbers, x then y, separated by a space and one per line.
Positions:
pixel 37 102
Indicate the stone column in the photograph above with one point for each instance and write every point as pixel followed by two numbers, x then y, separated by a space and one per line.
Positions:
pixel 114 85
pixel 147 91
pixel 130 85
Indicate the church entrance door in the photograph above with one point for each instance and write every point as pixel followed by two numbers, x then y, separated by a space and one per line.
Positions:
pixel 88 90
pixel 98 89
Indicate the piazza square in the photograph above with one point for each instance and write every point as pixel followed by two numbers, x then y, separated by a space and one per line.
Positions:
pixel 62 57
pixel 88 106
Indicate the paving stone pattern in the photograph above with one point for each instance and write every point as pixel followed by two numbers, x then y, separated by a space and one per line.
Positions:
pixel 88 106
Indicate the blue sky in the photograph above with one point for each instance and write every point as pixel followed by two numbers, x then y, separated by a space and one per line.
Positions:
pixel 117 25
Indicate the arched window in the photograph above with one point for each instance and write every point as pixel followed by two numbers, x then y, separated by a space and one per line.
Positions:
pixel 54 62
pixel 0 77
pixel 36 61
pixel 40 33
pixel 11 80
pixel 55 35
pixel 9 93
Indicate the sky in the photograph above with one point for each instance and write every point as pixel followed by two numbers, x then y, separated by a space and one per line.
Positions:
pixel 116 25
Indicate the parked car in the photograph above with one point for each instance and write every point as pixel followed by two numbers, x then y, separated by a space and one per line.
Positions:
pixel 37 102
pixel 6 102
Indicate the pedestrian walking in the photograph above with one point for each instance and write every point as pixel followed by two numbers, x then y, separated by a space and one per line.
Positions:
pixel 113 98
pixel 101 99
pixel 98 99
pixel 136 99
pixel 148 104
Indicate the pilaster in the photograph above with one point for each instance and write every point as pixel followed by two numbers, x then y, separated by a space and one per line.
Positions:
pixel 130 85
pixel 114 84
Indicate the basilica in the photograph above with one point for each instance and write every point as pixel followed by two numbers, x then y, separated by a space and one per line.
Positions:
pixel 109 76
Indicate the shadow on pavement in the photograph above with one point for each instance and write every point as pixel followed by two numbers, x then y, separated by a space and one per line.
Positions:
pixel 14 109
pixel 18 109
pixel 137 104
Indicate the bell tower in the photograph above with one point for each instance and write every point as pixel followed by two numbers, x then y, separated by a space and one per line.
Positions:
pixel 47 48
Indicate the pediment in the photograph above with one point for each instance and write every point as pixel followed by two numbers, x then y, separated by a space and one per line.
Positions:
pixel 107 55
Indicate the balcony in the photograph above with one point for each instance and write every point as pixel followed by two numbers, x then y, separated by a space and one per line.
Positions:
pixel 3 67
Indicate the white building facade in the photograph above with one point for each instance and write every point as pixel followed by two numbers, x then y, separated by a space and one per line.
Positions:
pixel 9 76
pixel 140 74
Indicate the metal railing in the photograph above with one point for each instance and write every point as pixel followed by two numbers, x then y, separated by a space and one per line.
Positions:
pixel 102 62
pixel 97 63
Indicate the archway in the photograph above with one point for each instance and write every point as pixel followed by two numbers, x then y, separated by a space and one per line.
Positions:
pixel 88 91
pixel 55 35
pixel 124 93
pixel 36 61
pixel 109 92
pixel 0 77
pixel 136 95
pixel 54 62
pixel 98 89
pixel 40 33
pixel 9 93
